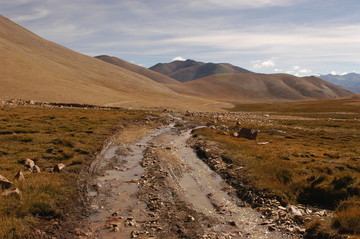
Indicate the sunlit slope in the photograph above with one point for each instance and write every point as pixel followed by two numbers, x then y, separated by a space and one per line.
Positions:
pixel 34 68
pixel 189 70
pixel 261 87
pixel 158 77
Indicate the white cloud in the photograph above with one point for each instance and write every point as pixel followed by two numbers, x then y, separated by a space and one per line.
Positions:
pixel 37 13
pixel 178 58
pixel 304 71
pixel 339 73
pixel 299 71
pixel 258 64
pixel 227 33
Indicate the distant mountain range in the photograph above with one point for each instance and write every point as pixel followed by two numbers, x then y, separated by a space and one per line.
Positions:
pixel 236 84
pixel 33 68
pixel 191 70
pixel 349 81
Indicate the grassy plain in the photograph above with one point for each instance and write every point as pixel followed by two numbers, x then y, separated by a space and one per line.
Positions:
pixel 48 137
pixel 312 156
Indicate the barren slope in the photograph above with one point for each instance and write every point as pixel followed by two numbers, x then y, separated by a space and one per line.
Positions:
pixel 261 87
pixel 33 68
pixel 158 77
pixel 190 70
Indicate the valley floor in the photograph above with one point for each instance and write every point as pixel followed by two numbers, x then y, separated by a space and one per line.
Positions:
pixel 170 175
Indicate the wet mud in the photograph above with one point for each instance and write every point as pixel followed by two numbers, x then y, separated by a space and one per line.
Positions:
pixel 159 188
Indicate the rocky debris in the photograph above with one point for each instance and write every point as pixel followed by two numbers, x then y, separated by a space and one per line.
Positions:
pixel 29 163
pixel 59 167
pixel 19 176
pixel 11 192
pixel 36 169
pixel 49 169
pixel 5 183
pixel 263 143
pixel 276 213
pixel 21 102
pixel 248 133
pixel 171 216
pixel 129 222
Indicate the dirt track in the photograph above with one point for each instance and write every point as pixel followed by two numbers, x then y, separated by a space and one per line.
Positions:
pixel 157 187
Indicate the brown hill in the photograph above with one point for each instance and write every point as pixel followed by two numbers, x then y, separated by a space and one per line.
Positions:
pixel 33 68
pixel 261 87
pixel 158 77
pixel 190 70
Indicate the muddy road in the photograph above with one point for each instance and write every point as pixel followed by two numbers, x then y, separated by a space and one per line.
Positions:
pixel 157 187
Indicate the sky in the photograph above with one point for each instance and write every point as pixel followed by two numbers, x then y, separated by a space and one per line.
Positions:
pixel 299 37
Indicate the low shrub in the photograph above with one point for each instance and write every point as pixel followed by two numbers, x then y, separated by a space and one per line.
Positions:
pixel 347 216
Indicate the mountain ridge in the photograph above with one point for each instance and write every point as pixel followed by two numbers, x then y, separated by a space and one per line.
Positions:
pixel 350 81
pixel 52 73
pixel 251 87
pixel 158 77
pixel 191 70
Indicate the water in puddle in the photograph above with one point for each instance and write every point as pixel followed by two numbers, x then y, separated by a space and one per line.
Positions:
pixel 202 187
pixel 116 205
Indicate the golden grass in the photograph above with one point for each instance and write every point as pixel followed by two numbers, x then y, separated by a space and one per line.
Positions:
pixel 48 136
pixel 347 216
pixel 337 107
pixel 313 155
pixel 292 163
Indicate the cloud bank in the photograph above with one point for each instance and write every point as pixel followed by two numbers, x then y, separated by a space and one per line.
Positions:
pixel 264 35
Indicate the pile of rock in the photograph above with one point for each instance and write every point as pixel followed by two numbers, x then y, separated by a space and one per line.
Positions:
pixel 276 213
pixel 5 184
pixel 19 102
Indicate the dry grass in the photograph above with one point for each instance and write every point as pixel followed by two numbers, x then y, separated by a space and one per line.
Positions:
pixel 48 136
pixel 336 107
pixel 312 157
pixel 347 216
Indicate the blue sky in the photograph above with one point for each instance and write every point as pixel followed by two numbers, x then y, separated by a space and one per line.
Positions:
pixel 300 37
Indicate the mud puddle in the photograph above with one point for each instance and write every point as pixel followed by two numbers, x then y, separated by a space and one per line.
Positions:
pixel 119 213
pixel 206 191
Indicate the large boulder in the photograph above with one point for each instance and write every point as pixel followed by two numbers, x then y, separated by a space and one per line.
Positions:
pixel 248 133
pixel 5 183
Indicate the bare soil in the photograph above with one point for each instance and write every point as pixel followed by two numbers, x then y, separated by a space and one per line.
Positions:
pixel 155 186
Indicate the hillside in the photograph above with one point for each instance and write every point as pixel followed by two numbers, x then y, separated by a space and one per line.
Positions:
pixel 158 77
pixel 190 70
pixel 350 81
pixel 261 87
pixel 34 68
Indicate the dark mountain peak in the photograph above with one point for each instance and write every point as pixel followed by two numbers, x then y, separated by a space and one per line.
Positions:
pixel 190 70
